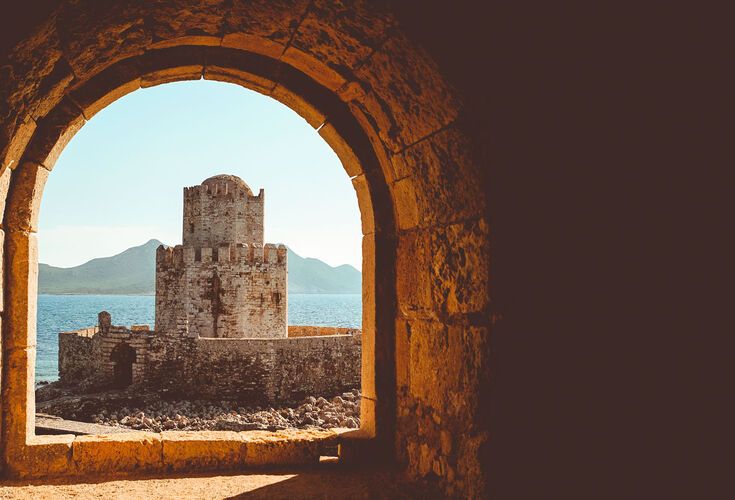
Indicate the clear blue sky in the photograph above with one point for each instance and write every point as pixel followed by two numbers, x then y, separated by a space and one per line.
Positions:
pixel 119 181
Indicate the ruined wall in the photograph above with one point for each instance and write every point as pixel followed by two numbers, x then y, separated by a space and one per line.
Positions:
pixel 76 358
pixel 85 355
pixel 234 291
pixel 222 210
pixel 263 371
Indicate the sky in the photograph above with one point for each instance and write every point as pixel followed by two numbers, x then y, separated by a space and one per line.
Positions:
pixel 119 181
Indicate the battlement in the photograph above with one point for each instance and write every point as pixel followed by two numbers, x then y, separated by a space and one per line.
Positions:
pixel 222 190
pixel 180 255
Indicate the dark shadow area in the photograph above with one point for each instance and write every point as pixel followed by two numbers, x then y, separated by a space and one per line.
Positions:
pixel 123 356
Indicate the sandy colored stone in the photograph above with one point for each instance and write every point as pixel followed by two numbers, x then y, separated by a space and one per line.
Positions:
pixel 442 171
pixel 460 269
pixel 187 18
pixel 406 205
pixel 21 251
pixel 413 274
pixel 194 451
pixel 242 78
pixel 24 131
pixel 253 43
pixel 339 35
pixel 408 86
pixel 32 73
pixel 169 75
pixel 53 133
pixel 244 68
pixel 364 201
pixel 196 40
pixel 299 104
pixel 297 447
pixel 134 452
pixel 342 148
pixel 113 95
pixel 4 186
pixel 95 35
pixel 19 406
pixel 107 86
pixel 24 201
pixel 42 456
pixel 263 26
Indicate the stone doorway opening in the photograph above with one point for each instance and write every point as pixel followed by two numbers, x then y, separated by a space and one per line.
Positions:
pixel 123 357
pixel 395 123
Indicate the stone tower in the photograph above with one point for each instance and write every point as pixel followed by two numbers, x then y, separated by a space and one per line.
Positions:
pixel 222 282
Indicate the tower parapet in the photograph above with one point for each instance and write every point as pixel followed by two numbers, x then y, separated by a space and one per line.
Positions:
pixel 222 209
pixel 223 281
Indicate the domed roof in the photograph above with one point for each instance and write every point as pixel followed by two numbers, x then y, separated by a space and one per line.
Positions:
pixel 228 178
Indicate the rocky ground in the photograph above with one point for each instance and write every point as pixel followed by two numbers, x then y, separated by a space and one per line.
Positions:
pixel 154 414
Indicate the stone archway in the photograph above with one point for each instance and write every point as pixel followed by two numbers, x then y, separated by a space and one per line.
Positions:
pixel 385 109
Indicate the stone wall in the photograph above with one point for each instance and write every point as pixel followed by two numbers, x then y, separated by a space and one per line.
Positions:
pixel 258 371
pixel 86 355
pixel 76 359
pixel 234 291
pixel 266 371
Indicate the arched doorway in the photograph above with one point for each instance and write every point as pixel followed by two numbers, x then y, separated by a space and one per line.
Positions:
pixel 388 113
pixel 123 357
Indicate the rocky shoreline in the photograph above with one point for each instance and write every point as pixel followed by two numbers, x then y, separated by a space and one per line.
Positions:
pixel 149 413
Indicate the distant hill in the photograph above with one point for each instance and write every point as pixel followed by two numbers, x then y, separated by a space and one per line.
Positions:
pixel 133 272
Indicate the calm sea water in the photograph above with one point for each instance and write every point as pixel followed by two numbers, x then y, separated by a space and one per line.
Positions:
pixel 59 313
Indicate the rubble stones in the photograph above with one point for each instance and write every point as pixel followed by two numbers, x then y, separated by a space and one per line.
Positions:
pixel 157 415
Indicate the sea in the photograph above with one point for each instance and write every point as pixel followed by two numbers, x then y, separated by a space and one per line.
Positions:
pixel 61 313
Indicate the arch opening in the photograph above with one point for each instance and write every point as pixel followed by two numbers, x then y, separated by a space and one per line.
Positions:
pixel 123 357
pixel 340 131
pixel 394 122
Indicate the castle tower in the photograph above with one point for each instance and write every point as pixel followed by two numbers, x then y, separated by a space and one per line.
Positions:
pixel 222 282
pixel 222 210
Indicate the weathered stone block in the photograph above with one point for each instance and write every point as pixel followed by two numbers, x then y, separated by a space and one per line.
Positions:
pixel 339 35
pixel 22 278
pixel 95 35
pixel 187 18
pixel 31 78
pixel 194 451
pixel 24 199
pixel 461 267
pixel 133 452
pixel 41 456
pixel 299 104
pixel 443 172
pixel 342 148
pixel 53 133
pixel 406 206
pixel 413 274
pixel 262 26
pixel 243 68
pixel 19 404
pixel 407 83
pixel 283 448
pixel 364 201
pixel 17 143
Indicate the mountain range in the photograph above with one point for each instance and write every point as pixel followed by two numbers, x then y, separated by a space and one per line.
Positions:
pixel 133 272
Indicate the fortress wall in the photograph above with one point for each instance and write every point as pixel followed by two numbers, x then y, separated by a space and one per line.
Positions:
pixel 232 291
pixel 317 331
pixel 86 353
pixel 76 357
pixel 257 371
